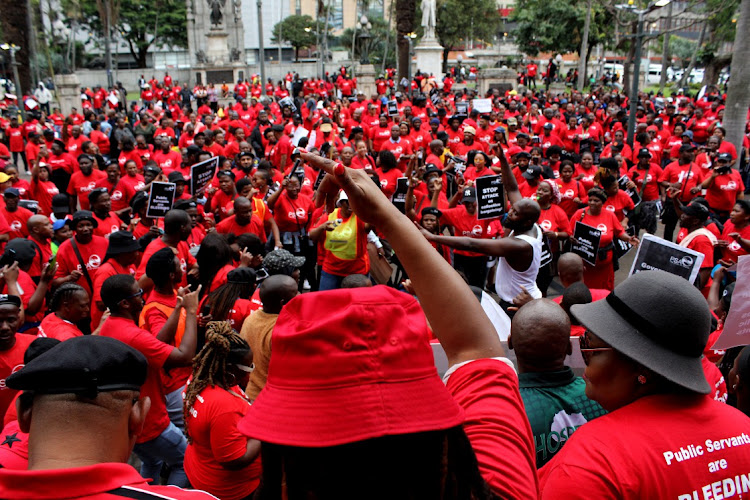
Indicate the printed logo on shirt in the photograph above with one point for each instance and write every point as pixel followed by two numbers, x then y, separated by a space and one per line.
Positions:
pixel 610 208
pixel 14 370
pixel 569 193
pixel 477 230
pixel 300 212
pixel 602 228
pixel 546 225
pixel 88 188
pixel 53 191
pixel 116 195
pixel 734 246
pixel 561 428
pixel 94 262
pixel 15 225
pixel 729 186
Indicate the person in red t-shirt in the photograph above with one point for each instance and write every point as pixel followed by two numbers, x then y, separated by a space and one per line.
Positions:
pixel 164 156
pixel 572 192
pixel 219 459
pixel 178 228
pixel 735 239
pixel 42 189
pixel 12 346
pixel 685 177
pixel 160 441
pixel 723 186
pixel 69 305
pixel 107 222
pixel 83 182
pixel 618 202
pixel 91 248
pixel 243 221
pixel 388 172
pixel 699 239
pixel 16 217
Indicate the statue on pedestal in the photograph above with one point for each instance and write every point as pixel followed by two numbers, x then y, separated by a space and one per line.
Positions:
pixel 216 15
pixel 429 20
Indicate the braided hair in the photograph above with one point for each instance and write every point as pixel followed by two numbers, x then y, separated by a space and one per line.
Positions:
pixel 63 293
pixel 223 347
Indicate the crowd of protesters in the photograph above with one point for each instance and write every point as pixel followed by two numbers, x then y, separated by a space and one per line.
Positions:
pixel 269 336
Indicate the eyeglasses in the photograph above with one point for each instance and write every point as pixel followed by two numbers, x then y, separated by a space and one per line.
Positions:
pixel 246 369
pixel 136 294
pixel 586 351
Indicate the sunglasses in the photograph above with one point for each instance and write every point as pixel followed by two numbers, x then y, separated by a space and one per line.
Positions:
pixel 139 293
pixel 586 351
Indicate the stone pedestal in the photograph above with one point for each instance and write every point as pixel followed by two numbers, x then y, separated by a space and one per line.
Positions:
pixel 366 79
pixel 501 79
pixel 68 90
pixel 430 57
pixel 217 48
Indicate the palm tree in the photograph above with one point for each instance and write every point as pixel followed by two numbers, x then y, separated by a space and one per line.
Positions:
pixel 738 97
pixel 405 13
pixel 15 30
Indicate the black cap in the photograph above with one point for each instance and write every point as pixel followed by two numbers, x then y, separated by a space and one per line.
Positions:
pixel 11 192
pixel 21 250
pixel 95 193
pixel 696 210
pixel 532 172
pixel 10 299
pixel 687 147
pixel 432 169
pixel 176 177
pixel 83 365
pixel 432 211
pixel 522 154
pixel 60 201
pixel 194 150
pixel 644 153
pixel 720 157
pixel 152 168
pixel 470 194
pixel 185 205
pixel 242 275
pixel 122 242
pixel 82 215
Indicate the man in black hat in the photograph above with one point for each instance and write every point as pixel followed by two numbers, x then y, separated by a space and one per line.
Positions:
pixel 121 257
pixel 532 176
pixel 15 216
pixel 698 238
pixel 83 409
pixel 79 258
pixel 723 186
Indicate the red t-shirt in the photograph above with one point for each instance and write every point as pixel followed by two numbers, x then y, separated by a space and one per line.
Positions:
pixel 700 244
pixel 618 203
pixel 222 203
pixel 229 225
pixel 554 219
pixel 108 225
pixel 241 309
pixel 92 254
pixel 379 136
pixel 15 139
pixel 569 191
pixel 606 222
pixel 17 221
pixel 10 362
pixel 689 175
pixel 106 270
pixel 212 424
pixel 43 192
pixel 733 250
pixel 465 224
pixel 54 327
pixel 167 161
pixel 637 175
pixel 684 447
pixel 399 149
pixel 156 353
pixel 126 156
pixel 293 215
pixel 183 253
pixel 81 185
pixel 722 193
pixel 497 426
pixel 389 180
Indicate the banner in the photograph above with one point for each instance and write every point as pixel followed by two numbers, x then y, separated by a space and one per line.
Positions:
pixel 490 202
pixel 393 108
pixel 737 324
pixel 482 105
pixel 201 175
pixel 657 253
pixel 462 108
pixel 588 238
pixel 160 199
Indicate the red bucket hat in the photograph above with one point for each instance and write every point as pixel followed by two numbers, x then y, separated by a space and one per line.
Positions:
pixel 350 365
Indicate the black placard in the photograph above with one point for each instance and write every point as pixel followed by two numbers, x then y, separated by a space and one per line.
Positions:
pixel 490 202
pixel 393 108
pixel 655 253
pixel 588 238
pixel 319 179
pixel 160 199
pixel 201 175
pixel 633 193
pixel 462 108
pixel 399 196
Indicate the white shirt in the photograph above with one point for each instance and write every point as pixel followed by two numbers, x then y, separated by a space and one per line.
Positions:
pixel 508 281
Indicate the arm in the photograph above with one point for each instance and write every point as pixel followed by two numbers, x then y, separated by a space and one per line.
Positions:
pixel 251 453
pixel 271 201
pixel 498 248
pixel 509 180
pixel 271 225
pixel 440 289
pixel 184 354
pixel 714 293
pixel 36 302
pixel 709 180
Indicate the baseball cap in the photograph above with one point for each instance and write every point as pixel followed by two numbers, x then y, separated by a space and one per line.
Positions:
pixel 532 172
pixel 59 224
pixel 470 194
pixel 175 177
pixel 12 192
pixel 644 153
pixel 469 129
pixel 688 133
pixel 83 365
pixel 280 260
pixel 4 177
pixel 366 352
pixel 511 121
pixel 82 215
pixel 696 210
pixel 548 126
pixel 720 157
pixel 242 275
pixel 687 147
pixel 500 130
pixel 326 127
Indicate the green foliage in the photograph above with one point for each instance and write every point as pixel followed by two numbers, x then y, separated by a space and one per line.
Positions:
pixel 141 24
pixel 682 48
pixel 375 45
pixel 292 30
pixel 544 26
pixel 457 20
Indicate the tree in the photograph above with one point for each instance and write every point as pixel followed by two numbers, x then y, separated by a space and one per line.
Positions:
pixel 142 24
pixel 15 31
pixel 456 18
pixel 544 26
pixel 405 14
pixel 738 96
pixel 298 31
pixel 375 45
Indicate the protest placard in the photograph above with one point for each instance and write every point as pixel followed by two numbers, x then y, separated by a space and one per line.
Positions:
pixel 490 202
pixel 482 105
pixel 462 108
pixel 201 175
pixel 588 238
pixel 660 254
pixel 393 108
pixel 399 196
pixel 737 325
pixel 160 199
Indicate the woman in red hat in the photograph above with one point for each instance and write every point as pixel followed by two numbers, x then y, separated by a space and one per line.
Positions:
pixel 353 406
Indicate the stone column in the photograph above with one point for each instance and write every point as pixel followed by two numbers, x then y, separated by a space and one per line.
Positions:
pixel 366 79
pixel 68 90
pixel 430 57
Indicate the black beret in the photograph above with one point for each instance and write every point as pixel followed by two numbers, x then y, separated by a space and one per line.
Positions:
pixel 83 365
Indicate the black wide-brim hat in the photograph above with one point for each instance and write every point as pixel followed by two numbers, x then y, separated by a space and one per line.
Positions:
pixel 657 319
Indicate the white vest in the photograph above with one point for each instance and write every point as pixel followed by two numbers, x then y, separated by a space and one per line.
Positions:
pixel 508 281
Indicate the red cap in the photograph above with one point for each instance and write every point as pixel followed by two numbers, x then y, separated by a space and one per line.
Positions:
pixel 350 365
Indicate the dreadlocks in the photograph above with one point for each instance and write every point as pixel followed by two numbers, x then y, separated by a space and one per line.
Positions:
pixel 63 293
pixel 223 347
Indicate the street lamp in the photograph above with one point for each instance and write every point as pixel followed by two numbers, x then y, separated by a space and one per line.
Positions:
pixel 410 38
pixel 364 35
pixel 641 13
pixel 12 48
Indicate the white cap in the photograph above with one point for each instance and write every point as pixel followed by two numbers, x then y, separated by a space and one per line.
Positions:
pixel 342 196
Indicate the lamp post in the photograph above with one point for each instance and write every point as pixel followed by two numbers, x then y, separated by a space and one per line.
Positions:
pixel 12 49
pixel 639 34
pixel 410 38
pixel 261 49
pixel 364 37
